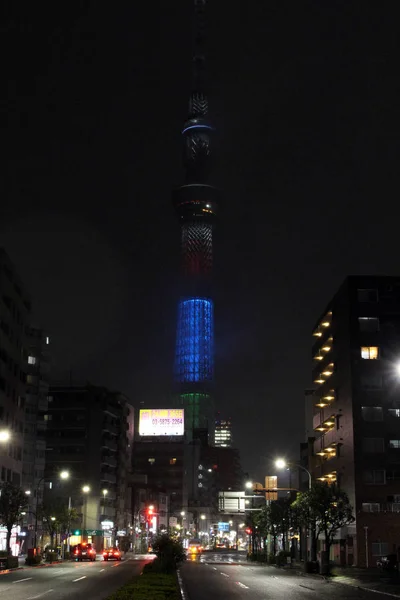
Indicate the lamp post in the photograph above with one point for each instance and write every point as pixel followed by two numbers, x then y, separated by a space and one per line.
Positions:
pixel 5 436
pixel 280 463
pixel 85 490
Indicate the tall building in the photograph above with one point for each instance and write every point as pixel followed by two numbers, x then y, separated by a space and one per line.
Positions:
pixel 223 432
pixel 37 347
pixel 90 435
pixel 15 309
pixel 196 203
pixel 356 354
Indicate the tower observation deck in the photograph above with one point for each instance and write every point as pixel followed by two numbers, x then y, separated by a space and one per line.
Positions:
pixel 196 204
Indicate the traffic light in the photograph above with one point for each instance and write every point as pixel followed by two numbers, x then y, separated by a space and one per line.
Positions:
pixel 249 530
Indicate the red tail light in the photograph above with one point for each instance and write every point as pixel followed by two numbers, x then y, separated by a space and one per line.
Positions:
pixel 76 551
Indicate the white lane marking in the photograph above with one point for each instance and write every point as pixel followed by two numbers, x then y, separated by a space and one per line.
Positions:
pixel 246 587
pixel 39 595
pixel 79 578
pixel 19 580
pixel 224 574
pixel 215 568
pixel 101 570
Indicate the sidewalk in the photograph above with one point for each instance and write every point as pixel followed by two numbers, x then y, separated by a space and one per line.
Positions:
pixel 372 579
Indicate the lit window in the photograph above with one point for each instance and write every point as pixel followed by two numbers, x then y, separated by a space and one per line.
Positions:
pixel 368 323
pixel 48 417
pixel 47 340
pixel 394 412
pixel 394 444
pixel 172 461
pixel 151 460
pixel 31 360
pixel 370 352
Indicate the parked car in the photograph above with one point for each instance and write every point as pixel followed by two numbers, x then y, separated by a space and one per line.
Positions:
pixel 387 563
pixel 84 552
pixel 112 554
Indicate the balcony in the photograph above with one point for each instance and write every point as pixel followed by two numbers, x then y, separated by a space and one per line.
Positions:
pixel 321 377
pixel 109 460
pixel 322 332
pixel 110 443
pixel 323 425
pixel 108 477
pixel 329 477
pixel 325 399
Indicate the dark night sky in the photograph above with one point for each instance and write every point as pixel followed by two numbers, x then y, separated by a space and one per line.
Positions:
pixel 305 97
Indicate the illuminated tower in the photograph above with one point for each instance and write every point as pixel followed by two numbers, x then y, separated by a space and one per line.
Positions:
pixel 196 204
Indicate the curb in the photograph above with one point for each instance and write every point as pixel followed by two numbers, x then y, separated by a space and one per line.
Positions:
pixel 56 562
pixel 182 590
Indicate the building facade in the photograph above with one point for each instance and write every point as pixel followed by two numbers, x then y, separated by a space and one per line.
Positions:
pixel 90 435
pixel 356 355
pixel 196 204
pixel 223 432
pixel 15 309
pixel 37 356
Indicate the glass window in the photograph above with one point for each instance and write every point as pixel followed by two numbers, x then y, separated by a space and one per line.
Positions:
pixel 151 460
pixel 368 323
pixel 373 445
pixel 371 507
pixel 31 360
pixel 370 352
pixel 394 412
pixel 375 477
pixel 372 413
pixel 394 444
pixel 379 548
pixel 367 295
pixel 371 381
pixel 172 461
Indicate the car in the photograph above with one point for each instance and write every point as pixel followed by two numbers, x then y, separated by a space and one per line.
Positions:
pixel 84 552
pixel 195 549
pixel 111 554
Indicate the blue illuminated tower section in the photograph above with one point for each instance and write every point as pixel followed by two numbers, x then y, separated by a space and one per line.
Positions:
pixel 196 203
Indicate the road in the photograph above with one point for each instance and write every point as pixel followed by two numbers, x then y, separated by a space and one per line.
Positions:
pixel 229 576
pixel 70 580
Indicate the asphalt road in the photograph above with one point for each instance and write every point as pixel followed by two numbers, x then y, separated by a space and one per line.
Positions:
pixel 222 577
pixel 70 580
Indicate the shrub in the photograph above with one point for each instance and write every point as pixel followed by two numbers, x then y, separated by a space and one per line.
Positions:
pixel 281 558
pixel 169 553
pixel 12 562
pixel 33 560
pixel 149 586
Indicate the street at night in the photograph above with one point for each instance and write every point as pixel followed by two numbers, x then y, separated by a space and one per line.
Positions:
pixel 73 580
pixel 227 576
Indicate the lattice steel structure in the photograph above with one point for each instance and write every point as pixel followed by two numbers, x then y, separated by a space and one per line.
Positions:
pixel 196 203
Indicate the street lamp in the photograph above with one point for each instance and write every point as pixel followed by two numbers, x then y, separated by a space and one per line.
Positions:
pixel 203 517
pixel 249 485
pixel 85 490
pixel 64 475
pixel 28 492
pixel 4 435
pixel 280 463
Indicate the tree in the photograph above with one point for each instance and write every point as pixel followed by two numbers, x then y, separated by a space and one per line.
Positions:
pixel 57 516
pixel 273 520
pixel 325 507
pixel 12 501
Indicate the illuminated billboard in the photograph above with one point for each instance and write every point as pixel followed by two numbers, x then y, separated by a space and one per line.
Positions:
pixel 161 421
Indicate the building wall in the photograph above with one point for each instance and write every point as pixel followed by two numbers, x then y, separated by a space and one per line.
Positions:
pixel 365 410
pixel 14 317
pixel 89 433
